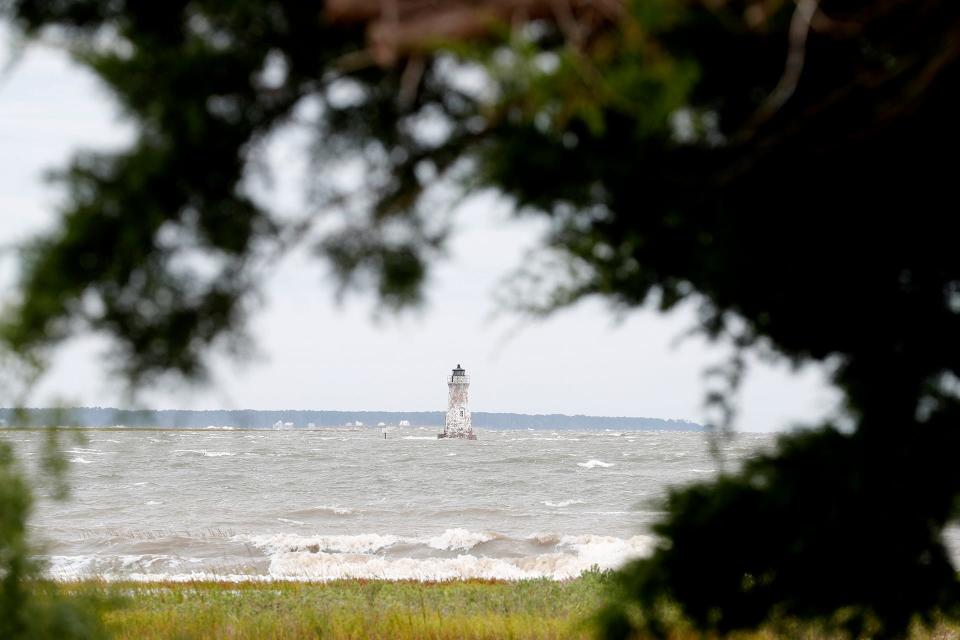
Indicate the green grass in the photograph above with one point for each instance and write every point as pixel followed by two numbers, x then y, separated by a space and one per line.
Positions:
pixel 536 609
pixel 352 609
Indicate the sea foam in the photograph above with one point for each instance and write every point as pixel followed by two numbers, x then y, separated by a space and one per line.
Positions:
pixel 368 556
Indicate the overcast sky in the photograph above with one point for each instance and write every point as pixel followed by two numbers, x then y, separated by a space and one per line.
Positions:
pixel 314 354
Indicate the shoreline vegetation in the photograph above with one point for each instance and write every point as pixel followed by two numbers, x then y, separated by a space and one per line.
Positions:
pixel 535 609
pixel 469 609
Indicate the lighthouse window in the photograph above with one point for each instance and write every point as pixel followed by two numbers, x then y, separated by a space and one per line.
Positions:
pixel 461 413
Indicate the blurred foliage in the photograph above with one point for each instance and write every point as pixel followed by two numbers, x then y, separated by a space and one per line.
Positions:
pixel 822 529
pixel 785 164
pixel 30 607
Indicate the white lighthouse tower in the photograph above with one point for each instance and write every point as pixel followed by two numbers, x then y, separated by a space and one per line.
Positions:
pixel 457 424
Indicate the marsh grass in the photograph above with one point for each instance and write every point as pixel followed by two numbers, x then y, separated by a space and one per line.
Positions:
pixel 351 609
pixel 471 609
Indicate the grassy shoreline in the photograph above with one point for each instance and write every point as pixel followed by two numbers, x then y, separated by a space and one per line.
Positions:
pixel 469 609
pixel 349 608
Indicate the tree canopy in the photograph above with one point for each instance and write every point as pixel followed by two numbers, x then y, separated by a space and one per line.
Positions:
pixel 786 164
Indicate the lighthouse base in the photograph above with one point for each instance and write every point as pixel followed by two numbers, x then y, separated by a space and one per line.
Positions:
pixel 470 435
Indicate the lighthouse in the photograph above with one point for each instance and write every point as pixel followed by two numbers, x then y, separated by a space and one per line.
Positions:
pixel 457 423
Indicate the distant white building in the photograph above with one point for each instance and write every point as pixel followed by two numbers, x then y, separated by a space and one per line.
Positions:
pixel 457 423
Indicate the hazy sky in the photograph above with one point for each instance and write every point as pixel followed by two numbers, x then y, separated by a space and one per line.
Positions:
pixel 315 354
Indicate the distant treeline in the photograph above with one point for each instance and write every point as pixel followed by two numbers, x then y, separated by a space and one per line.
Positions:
pixel 253 419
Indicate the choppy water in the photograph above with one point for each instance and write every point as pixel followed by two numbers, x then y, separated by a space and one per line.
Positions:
pixel 323 504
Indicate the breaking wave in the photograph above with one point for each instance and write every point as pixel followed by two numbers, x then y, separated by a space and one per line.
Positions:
pixel 453 539
pixel 293 543
pixel 455 554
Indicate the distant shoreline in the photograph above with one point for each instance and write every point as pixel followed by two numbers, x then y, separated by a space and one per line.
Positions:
pixel 106 417
pixel 371 429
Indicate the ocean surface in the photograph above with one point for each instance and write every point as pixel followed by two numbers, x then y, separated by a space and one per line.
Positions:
pixel 347 503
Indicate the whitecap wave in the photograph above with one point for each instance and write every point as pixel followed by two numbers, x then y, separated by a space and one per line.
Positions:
pixel 80 460
pixel 544 538
pixel 205 453
pixel 459 539
pixel 75 567
pixel 68 567
pixel 591 464
pixel 291 557
pixel 562 503
pixel 292 543
pixel 608 552
pixel 571 556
